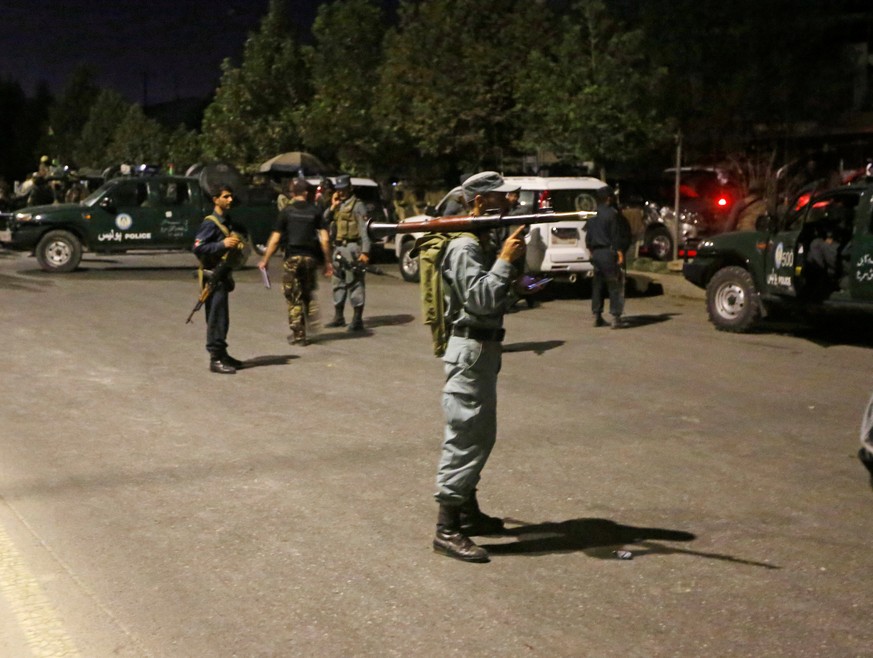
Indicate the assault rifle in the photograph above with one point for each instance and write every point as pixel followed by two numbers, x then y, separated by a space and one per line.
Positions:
pixel 341 264
pixel 220 271
pixel 377 230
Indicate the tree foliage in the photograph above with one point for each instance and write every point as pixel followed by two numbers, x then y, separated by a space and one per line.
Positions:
pixel 447 80
pixel 254 114
pixel 588 94
pixel 69 114
pixel 337 122
pixel 138 140
pixel 107 113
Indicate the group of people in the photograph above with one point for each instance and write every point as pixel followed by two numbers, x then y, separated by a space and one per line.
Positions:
pixel 479 286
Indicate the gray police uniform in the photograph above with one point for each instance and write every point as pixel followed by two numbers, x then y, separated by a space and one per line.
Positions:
pixel 476 299
pixel 350 242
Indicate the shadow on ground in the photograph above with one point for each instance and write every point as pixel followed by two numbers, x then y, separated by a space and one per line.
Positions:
pixel 599 538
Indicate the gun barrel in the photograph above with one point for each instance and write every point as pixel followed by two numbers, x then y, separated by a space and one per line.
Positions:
pixel 378 230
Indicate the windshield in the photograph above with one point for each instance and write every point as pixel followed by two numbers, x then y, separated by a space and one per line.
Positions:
pixel 92 198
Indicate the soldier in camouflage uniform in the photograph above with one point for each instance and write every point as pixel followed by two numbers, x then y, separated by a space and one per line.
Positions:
pixel 302 230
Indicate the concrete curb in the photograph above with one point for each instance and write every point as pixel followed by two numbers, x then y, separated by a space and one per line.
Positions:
pixel 672 284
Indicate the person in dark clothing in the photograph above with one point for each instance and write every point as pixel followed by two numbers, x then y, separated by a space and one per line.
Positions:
pixel 606 243
pixel 216 241
pixel 302 230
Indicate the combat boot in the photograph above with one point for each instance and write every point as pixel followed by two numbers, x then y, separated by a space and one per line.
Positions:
pixel 358 319
pixel 451 542
pixel 867 459
pixel 475 522
pixel 339 319
pixel 599 321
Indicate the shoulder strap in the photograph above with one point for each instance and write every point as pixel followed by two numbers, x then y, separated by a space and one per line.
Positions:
pixel 217 222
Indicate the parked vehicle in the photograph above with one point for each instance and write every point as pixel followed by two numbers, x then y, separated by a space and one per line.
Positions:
pixel 555 248
pixel 130 213
pixel 747 274
pixel 706 197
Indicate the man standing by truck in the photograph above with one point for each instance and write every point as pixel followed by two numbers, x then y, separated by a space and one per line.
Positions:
pixel 216 245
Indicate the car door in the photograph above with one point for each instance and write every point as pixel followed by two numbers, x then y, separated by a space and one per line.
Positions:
pixel 124 217
pixel 858 253
pixel 179 215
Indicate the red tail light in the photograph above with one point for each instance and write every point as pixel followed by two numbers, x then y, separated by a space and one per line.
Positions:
pixel 722 201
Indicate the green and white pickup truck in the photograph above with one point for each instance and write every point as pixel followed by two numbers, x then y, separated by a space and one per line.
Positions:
pixel 816 259
pixel 147 213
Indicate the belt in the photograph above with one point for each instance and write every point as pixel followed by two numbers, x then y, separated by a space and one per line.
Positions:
pixel 479 334
pixel 343 243
pixel 600 246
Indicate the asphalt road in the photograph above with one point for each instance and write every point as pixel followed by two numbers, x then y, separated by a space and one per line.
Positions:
pixel 149 507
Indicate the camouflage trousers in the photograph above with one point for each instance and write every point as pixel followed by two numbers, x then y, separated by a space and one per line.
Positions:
pixel 298 283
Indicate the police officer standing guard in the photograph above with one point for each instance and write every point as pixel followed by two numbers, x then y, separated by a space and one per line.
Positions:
pixel 351 253
pixel 216 245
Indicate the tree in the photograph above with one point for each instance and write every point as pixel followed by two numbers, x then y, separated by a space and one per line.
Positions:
pixel 254 112
pixel 138 140
pixel 21 121
pixel 107 113
pixel 337 122
pixel 70 113
pixel 588 93
pixel 447 84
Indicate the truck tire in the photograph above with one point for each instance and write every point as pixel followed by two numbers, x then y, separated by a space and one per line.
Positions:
pixel 59 251
pixel 731 300
pixel 408 265
pixel 659 243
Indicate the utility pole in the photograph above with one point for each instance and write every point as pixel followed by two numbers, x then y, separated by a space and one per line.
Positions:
pixel 676 195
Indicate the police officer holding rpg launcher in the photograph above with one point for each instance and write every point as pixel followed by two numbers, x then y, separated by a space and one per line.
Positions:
pixel 477 294
pixel 351 253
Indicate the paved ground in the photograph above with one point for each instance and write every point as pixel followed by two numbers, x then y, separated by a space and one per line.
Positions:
pixel 150 508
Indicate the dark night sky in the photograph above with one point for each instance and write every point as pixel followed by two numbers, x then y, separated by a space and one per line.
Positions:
pixel 176 45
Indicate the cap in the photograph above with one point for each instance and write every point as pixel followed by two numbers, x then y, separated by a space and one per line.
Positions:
pixel 484 182
pixel 603 193
pixel 343 182
pixel 44 158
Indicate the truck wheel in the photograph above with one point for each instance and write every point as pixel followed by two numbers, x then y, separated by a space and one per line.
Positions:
pixel 659 243
pixel 408 265
pixel 59 251
pixel 731 300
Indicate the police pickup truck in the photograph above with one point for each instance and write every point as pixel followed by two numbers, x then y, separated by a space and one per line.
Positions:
pixel 128 214
pixel 817 258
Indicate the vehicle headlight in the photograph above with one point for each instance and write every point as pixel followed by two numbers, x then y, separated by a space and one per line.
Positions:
pixel 23 217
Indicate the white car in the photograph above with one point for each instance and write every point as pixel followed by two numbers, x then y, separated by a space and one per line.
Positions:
pixel 554 248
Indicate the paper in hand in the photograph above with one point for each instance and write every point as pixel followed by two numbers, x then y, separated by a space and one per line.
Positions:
pixel 265 276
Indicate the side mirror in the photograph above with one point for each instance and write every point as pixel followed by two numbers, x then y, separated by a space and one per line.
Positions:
pixel 430 210
pixel 765 224
pixel 107 203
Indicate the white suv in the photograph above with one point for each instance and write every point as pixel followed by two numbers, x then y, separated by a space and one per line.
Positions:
pixel 554 248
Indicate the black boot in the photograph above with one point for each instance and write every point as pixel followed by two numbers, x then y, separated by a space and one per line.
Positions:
pixel 339 319
pixel 867 459
pixel 451 542
pixel 475 522
pixel 358 319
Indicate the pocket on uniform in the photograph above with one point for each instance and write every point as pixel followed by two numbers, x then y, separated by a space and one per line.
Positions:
pixel 463 352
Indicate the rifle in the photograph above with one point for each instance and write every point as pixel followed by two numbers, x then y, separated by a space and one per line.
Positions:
pixel 342 263
pixel 377 230
pixel 215 278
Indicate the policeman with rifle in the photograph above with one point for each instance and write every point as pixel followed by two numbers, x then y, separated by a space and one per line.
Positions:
pixel 351 247
pixel 219 247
